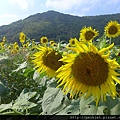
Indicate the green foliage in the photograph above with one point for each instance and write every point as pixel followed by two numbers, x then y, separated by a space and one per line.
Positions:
pixel 55 26
pixel 24 91
pixel 110 107
pixel 21 106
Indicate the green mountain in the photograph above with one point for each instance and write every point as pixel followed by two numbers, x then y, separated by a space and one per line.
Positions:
pixel 54 25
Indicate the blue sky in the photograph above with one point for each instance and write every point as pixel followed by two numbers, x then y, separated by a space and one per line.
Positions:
pixel 14 10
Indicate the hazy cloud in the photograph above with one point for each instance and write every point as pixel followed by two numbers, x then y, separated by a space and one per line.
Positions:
pixel 23 4
pixel 81 6
pixel 62 4
pixel 7 18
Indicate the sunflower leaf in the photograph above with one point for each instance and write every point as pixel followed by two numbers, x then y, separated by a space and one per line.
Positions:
pixel 4 107
pixel 109 107
pixel 116 109
pixel 72 109
pixel 54 101
pixel 21 66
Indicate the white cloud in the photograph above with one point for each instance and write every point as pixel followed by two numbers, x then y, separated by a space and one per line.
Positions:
pixel 23 4
pixel 78 7
pixel 6 18
pixel 111 2
pixel 62 4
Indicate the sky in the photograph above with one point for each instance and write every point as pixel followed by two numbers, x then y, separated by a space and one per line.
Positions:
pixel 14 10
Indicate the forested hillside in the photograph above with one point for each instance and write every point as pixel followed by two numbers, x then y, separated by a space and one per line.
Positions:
pixel 55 25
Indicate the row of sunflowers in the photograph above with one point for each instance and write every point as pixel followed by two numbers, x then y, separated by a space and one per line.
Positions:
pixel 59 76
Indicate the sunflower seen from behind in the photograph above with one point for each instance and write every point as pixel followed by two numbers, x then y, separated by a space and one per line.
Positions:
pixel 112 29
pixel 22 37
pixel 4 39
pixel 88 72
pixel 87 34
pixel 47 60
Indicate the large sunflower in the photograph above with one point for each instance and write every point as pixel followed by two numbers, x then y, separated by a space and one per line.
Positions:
pixel 88 72
pixel 46 60
pixel 112 29
pixel 87 34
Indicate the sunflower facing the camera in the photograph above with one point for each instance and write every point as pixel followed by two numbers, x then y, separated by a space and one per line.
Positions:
pixel 112 29
pixel 88 72
pixel 87 34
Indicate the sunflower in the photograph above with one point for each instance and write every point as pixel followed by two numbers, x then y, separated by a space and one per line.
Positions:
pixel 25 45
pixel 88 72
pixel 72 41
pixel 10 47
pixel 44 40
pixel 22 37
pixel 2 45
pixel 15 43
pixel 51 42
pixel 46 60
pixel 16 47
pixel 87 34
pixel 54 44
pixel 112 29
pixel 4 39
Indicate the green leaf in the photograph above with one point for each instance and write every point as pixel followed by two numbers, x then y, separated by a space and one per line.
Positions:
pixel 3 57
pixel 110 102
pixel 4 107
pixel 2 51
pixel 87 106
pixel 9 113
pixel 21 66
pixel 22 102
pixel 24 95
pixel 54 101
pixel 108 107
pixel 3 89
pixel 72 109
pixel 28 71
pixel 14 112
pixel 22 105
pixel 116 109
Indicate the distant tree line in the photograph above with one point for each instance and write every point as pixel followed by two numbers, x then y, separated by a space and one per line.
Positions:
pixel 56 26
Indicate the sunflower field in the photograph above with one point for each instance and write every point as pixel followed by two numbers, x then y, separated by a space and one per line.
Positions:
pixel 81 77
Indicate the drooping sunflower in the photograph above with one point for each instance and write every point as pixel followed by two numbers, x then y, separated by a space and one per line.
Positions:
pixel 112 29
pixel 47 60
pixel 22 37
pixel 2 45
pixel 15 43
pixel 43 40
pixel 89 72
pixel 87 34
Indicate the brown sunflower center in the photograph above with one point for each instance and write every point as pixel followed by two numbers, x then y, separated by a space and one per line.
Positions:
pixel 51 60
pixel 73 42
pixel 44 40
pixel 112 30
pixel 90 69
pixel 89 35
pixel 51 42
